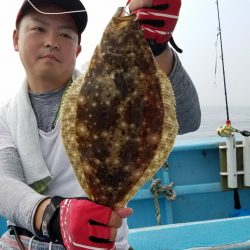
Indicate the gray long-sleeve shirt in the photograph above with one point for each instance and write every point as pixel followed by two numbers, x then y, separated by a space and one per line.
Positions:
pixel 18 201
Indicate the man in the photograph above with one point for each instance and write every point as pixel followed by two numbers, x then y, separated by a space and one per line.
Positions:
pixel 35 174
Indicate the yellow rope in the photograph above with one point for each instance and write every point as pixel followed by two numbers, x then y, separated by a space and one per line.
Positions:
pixel 157 189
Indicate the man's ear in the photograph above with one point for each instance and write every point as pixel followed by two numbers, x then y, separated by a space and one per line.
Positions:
pixel 78 50
pixel 15 38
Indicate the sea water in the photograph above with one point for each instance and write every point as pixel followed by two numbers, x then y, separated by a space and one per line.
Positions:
pixel 213 117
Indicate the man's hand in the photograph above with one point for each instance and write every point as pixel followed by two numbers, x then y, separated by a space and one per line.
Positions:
pixel 158 19
pixel 86 224
pixel 82 224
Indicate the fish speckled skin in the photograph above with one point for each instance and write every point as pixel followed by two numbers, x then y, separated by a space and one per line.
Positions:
pixel 119 120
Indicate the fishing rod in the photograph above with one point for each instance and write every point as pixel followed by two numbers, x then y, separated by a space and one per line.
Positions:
pixel 222 60
pixel 228 131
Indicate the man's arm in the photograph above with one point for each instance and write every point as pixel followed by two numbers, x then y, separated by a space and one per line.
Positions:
pixel 158 25
pixel 166 60
pixel 187 101
pixel 18 202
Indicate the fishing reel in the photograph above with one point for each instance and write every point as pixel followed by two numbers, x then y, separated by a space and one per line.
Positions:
pixel 228 130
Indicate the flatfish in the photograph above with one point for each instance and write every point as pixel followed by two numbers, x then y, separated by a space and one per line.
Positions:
pixel 119 119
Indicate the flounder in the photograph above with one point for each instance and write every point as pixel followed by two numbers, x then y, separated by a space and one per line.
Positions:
pixel 118 119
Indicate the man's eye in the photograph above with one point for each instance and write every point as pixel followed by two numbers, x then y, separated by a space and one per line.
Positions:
pixel 65 35
pixel 39 29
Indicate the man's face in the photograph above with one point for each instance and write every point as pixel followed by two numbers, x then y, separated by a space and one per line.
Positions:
pixel 47 44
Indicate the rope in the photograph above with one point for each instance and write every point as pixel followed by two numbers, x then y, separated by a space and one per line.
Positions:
pixel 157 189
pixel 168 191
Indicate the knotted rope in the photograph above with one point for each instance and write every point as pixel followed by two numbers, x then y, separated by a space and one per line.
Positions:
pixel 157 189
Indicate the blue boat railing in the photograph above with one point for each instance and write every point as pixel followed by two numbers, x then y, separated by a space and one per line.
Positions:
pixel 194 170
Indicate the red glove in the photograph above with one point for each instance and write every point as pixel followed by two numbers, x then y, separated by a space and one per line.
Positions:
pixel 84 225
pixel 158 21
pixel 80 224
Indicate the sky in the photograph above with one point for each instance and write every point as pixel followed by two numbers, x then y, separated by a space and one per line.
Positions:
pixel 196 33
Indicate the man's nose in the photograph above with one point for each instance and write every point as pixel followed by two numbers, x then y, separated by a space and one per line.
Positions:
pixel 52 41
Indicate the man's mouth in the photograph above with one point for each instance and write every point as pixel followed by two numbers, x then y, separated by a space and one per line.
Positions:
pixel 50 56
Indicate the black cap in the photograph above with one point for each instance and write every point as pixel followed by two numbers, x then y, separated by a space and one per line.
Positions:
pixel 80 18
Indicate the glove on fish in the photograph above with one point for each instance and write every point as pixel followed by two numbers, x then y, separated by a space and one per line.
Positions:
pixel 158 23
pixel 77 224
